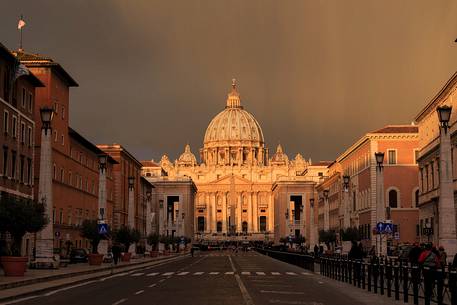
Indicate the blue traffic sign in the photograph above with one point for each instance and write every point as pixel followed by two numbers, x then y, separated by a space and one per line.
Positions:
pixel 388 228
pixel 380 227
pixel 102 228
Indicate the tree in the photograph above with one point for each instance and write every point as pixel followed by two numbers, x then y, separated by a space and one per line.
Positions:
pixel 89 230
pixel 153 240
pixel 20 216
pixel 127 236
pixel 327 237
pixel 164 239
pixel 299 240
pixel 350 234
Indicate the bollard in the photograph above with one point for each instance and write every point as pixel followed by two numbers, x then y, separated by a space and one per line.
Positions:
pixel 415 278
pixel 428 285
pixel 405 278
pixel 375 277
pixel 350 271
pixel 381 278
pixel 369 270
pixel 439 276
pixel 389 278
pixel 396 283
pixel 363 275
pixel 453 285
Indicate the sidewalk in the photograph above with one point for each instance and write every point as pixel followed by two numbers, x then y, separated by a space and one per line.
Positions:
pixel 38 280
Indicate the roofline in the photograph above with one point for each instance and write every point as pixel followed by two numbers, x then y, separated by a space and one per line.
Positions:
pixel 438 97
pixel 122 149
pixel 89 145
pixel 57 68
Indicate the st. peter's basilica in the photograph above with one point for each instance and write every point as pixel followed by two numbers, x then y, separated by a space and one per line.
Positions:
pixel 237 191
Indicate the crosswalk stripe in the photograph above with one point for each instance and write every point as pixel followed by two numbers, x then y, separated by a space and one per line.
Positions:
pixel 198 273
pixel 245 273
pixel 183 273
pixel 275 273
pixel 291 273
pixel 260 273
pixel 152 274
pixel 137 274
pixel 167 273
pixel 305 273
pixel 214 273
pixel 230 272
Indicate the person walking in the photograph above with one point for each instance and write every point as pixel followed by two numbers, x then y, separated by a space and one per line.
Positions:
pixel 430 261
pixel 414 253
pixel 116 252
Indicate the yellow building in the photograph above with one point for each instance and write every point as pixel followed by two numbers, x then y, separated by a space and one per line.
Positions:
pixel 240 192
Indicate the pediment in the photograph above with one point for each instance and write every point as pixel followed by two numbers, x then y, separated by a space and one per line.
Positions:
pixel 227 179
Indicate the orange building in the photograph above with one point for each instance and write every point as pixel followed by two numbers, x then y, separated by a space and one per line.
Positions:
pixel 399 144
pixel 76 163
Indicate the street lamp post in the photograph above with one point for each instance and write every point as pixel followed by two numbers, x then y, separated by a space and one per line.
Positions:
pixel 44 257
pixel 312 238
pixel 131 207
pixel 446 209
pixel 102 165
pixel 380 209
pixel 148 213
pixel 326 211
pixel 346 205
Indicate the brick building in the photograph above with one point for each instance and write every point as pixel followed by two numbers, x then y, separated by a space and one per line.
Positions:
pixel 399 144
pixel 75 159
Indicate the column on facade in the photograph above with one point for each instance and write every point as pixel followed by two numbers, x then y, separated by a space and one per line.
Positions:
pixel 208 213
pixel 213 211
pixel 224 212
pixel 347 210
pixel 312 238
pixel 255 214
pixel 239 212
pixel 326 215
pixel 270 213
pixel 249 212
pixel 131 208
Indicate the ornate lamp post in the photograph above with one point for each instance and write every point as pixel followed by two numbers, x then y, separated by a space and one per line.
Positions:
pixel 326 211
pixel 446 209
pixel 102 160
pixel 380 206
pixel 347 210
pixel 44 257
pixel 131 207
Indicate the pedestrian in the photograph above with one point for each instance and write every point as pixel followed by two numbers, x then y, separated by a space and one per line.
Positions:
pixel 430 261
pixel 116 249
pixel 414 253
pixel 192 251
pixel 316 250
pixel 443 256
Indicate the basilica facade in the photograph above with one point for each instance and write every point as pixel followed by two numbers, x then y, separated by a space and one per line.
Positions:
pixel 237 191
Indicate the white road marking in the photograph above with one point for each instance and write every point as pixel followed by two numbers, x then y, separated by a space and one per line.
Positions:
pixel 260 273
pixel 152 285
pixel 67 288
pixel 139 292
pixel 291 273
pixel 152 274
pixel 306 273
pixel 113 276
pixel 167 273
pixel 244 292
pixel 21 300
pixel 119 302
pixel 137 274
pixel 183 273
pixel 281 292
pixel 230 272
pixel 275 273
pixel 161 280
pixel 198 273
pixel 320 282
pixel 245 273
pixel 295 302
pixel 214 273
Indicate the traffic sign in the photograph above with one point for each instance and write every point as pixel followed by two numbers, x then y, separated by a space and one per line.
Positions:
pixel 380 227
pixel 102 228
pixel 397 235
pixel 388 228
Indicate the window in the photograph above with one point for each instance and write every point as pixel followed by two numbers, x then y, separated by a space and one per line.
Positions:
pixel 24 97
pixel 55 172
pixel 69 217
pixel 200 223
pixel 63 140
pixel 53 215
pixel 219 226
pixel 5 161
pixel 29 171
pixel 21 169
pixel 22 132
pixel 61 216
pixel 63 112
pixel 62 175
pixel 416 198
pixel 69 178
pixel 55 135
pixel 320 174
pixel 13 165
pixel 14 126
pixel 392 155
pixel 263 223
pixel 5 121
pixel 244 227
pixel 30 102
pixel 29 136
pixel 393 199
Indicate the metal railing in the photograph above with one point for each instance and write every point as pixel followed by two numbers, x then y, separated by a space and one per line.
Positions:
pixel 301 260
pixel 395 279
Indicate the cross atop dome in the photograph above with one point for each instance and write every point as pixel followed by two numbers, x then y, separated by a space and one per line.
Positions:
pixel 233 98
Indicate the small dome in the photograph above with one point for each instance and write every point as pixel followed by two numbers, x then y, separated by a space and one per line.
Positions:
pixel 279 158
pixel 187 158
pixel 234 125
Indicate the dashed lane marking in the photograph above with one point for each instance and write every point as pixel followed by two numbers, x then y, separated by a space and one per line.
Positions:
pixel 214 273
pixel 137 274
pixel 167 273
pixel 119 302
pixel 113 276
pixel 306 273
pixel 183 273
pixel 245 273
pixel 230 272
pixel 260 273
pixel 291 273
pixel 198 273
pixel 139 292
pixel 275 273
pixel 153 274
pixel 281 292
pixel 152 285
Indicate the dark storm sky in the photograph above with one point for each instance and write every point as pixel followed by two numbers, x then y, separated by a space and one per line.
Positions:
pixel 316 74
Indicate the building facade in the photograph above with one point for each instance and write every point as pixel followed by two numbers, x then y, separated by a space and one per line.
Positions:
pixel 237 184
pixel 357 204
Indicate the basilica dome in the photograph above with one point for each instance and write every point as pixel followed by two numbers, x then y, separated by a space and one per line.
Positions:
pixel 234 125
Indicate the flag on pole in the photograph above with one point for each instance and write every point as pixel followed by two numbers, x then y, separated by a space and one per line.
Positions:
pixel 21 23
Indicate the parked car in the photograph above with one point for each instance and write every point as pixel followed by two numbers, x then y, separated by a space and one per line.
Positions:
pixel 78 255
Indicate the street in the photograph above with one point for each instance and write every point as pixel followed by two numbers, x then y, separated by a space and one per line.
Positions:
pixel 208 278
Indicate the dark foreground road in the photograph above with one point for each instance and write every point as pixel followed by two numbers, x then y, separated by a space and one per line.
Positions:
pixel 213 278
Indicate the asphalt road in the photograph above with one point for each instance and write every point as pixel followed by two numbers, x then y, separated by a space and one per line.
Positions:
pixel 208 278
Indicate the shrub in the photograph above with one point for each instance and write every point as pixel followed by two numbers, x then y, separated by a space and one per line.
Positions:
pixel 127 236
pixel 89 230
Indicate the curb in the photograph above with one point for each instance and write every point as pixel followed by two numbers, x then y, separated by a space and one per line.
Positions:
pixel 99 273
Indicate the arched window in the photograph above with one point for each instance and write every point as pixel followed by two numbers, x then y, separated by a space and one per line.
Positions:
pixel 219 226
pixel 263 223
pixel 393 199
pixel 244 226
pixel 200 224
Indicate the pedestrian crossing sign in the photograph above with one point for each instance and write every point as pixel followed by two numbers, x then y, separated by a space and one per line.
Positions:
pixel 102 228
